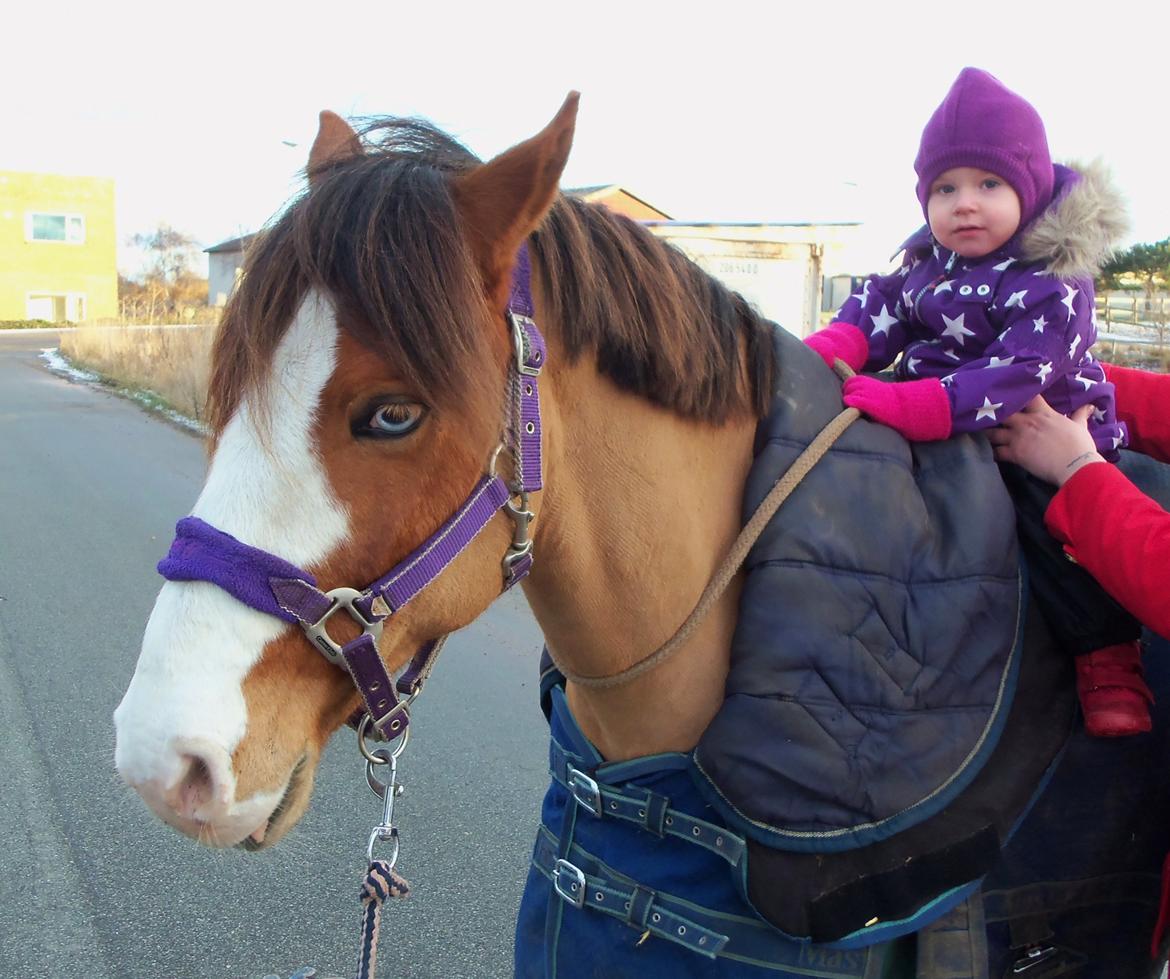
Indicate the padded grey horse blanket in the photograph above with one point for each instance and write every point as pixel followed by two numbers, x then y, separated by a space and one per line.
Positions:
pixel 877 645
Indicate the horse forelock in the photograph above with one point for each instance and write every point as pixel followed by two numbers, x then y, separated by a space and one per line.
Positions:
pixel 381 236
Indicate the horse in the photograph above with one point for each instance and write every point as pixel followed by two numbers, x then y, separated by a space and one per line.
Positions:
pixel 361 377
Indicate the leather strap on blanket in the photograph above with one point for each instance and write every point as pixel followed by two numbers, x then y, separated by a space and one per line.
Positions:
pixel 642 807
pixel 584 884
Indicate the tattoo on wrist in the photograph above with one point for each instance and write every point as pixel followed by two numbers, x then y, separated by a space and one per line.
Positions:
pixel 1081 458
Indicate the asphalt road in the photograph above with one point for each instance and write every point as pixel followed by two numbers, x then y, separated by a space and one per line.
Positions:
pixel 91 885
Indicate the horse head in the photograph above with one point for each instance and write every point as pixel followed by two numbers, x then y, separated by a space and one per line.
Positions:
pixel 357 396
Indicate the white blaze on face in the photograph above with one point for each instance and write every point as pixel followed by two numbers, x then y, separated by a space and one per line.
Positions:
pixel 270 492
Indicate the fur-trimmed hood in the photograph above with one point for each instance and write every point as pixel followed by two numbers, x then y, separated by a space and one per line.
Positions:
pixel 1073 236
pixel 1082 226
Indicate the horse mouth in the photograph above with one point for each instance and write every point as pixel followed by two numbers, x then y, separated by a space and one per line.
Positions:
pixel 271 830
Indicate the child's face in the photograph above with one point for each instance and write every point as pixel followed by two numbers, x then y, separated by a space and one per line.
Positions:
pixel 972 211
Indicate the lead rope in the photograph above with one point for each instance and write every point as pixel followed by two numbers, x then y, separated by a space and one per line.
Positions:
pixel 382 881
pixel 813 453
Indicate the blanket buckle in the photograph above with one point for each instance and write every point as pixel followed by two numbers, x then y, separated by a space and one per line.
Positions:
pixel 569 882
pixel 585 790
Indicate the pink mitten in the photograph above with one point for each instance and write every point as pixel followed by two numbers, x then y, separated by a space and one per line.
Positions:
pixel 842 340
pixel 920 410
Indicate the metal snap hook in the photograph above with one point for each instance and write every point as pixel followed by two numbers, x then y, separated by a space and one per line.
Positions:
pixel 384 834
pixel 388 791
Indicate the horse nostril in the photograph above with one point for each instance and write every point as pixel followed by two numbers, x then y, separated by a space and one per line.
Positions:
pixel 195 791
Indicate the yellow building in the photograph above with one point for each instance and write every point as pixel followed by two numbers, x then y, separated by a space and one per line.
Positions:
pixel 58 249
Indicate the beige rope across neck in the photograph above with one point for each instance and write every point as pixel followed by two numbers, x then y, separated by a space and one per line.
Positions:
pixel 800 468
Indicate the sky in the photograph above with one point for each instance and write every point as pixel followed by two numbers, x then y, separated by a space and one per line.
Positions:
pixel 720 111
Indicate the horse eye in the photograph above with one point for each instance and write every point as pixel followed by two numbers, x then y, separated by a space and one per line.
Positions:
pixel 395 419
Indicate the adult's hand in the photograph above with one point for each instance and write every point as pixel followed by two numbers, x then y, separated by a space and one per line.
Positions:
pixel 1048 444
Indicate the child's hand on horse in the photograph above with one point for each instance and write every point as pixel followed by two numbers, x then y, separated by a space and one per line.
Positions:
pixel 920 410
pixel 840 340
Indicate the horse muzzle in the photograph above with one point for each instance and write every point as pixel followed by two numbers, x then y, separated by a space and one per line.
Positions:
pixel 191 787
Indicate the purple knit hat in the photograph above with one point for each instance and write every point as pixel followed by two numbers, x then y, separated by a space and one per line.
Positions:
pixel 983 124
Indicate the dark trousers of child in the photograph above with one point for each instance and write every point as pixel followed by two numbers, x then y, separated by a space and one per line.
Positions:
pixel 1081 614
pixel 1086 622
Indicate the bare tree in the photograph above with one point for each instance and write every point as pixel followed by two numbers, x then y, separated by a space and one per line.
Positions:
pixel 168 287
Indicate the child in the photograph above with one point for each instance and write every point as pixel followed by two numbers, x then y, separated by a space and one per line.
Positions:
pixel 992 305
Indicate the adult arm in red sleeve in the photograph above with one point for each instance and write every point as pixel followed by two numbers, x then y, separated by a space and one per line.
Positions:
pixel 1120 536
pixel 1143 403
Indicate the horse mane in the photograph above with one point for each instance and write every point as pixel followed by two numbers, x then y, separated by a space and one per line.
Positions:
pixel 380 235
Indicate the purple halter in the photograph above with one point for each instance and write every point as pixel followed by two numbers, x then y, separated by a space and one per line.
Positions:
pixel 271 585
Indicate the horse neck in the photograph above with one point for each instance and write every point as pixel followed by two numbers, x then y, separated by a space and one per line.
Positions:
pixel 640 508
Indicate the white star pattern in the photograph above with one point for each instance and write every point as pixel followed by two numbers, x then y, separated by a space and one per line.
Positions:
pixel 1117 440
pixel 908 299
pixel 1088 382
pixel 1067 301
pixel 1000 361
pixel 1098 414
pixel 883 321
pixel 1002 266
pixel 988 410
pixel 947 285
pixel 904 271
pixel 1072 347
pixel 935 250
pixel 1043 371
pixel 952 354
pixel 956 330
pixel 948 379
pixel 1016 299
pixel 912 365
pixel 861 296
pixel 1038 325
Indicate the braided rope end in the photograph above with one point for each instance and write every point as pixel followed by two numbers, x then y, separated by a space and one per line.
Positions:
pixel 382 882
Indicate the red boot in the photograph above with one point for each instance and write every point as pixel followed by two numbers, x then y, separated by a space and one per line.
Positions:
pixel 1114 696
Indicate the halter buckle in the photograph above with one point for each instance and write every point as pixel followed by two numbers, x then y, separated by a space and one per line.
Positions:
pixel 342 598
pixel 520 326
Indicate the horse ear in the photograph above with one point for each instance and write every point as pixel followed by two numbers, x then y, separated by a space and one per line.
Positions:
pixel 336 141
pixel 503 201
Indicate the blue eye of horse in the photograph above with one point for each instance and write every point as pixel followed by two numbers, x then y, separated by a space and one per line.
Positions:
pixel 395 419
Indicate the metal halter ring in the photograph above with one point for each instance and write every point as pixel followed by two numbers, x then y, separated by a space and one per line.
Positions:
pixel 378 755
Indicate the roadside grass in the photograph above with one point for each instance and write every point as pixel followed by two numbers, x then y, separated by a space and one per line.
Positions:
pixel 163 368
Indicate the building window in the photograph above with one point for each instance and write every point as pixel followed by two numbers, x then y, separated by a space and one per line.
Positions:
pixel 41 226
pixel 56 307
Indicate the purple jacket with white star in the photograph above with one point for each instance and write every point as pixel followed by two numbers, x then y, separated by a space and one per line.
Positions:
pixel 1001 329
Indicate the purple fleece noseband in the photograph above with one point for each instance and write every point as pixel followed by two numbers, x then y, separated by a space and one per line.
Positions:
pixel 199 552
pixel 272 585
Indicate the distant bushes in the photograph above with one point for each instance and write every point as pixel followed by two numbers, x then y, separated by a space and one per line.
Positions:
pixel 171 362
pixel 30 325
